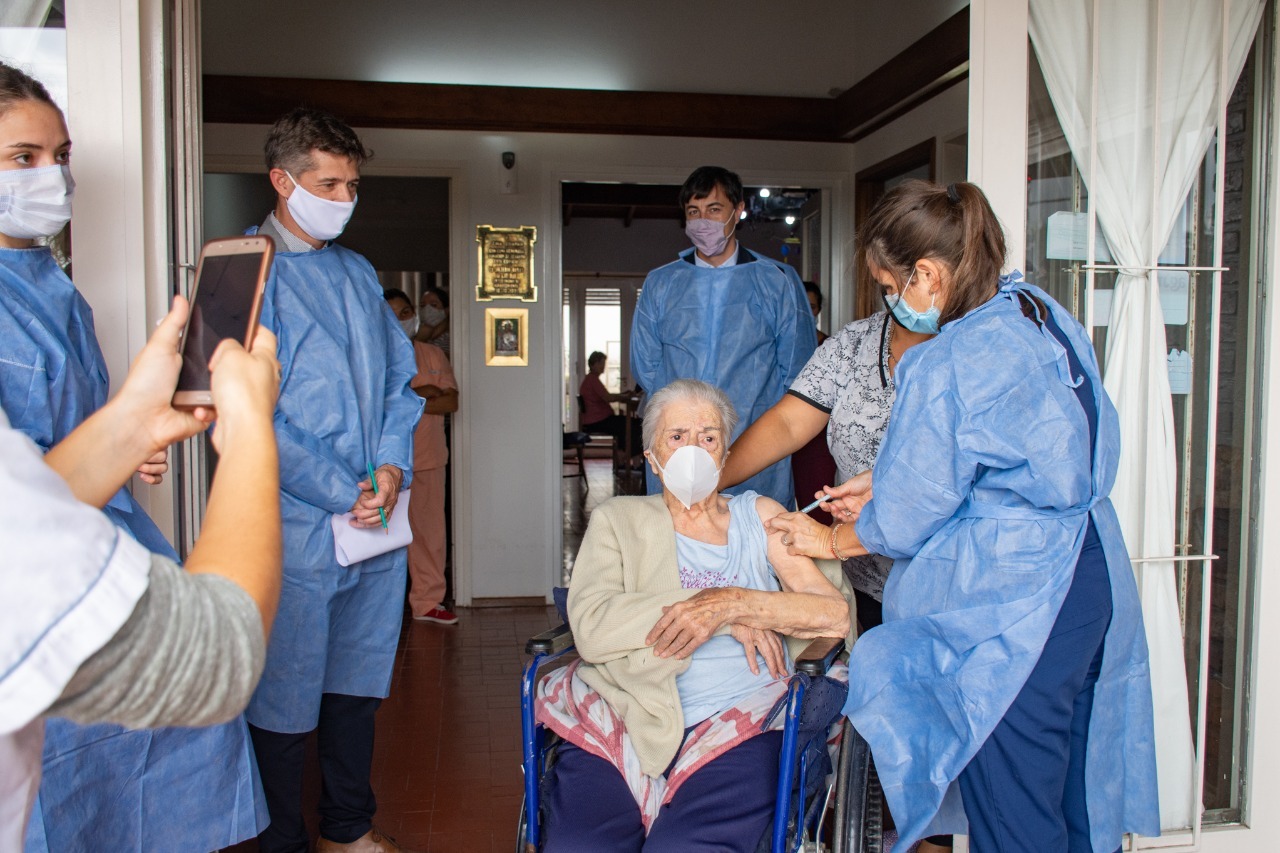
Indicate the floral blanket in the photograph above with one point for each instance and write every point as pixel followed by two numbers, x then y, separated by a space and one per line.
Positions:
pixel 571 709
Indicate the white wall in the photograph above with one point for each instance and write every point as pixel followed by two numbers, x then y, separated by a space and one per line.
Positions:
pixel 507 432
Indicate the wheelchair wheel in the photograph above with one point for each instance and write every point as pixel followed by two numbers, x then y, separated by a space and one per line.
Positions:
pixel 522 830
pixel 859 817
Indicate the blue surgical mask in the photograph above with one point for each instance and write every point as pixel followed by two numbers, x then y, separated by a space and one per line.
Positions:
pixel 921 322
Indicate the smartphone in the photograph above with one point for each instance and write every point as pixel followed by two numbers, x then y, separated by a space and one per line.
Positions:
pixel 225 303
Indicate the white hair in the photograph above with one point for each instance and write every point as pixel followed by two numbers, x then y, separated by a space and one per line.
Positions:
pixel 687 389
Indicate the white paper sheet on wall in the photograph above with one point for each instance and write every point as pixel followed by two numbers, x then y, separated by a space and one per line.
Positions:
pixel 1179 371
pixel 1175 299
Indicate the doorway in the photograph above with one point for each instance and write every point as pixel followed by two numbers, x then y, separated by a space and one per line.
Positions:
pixel 612 235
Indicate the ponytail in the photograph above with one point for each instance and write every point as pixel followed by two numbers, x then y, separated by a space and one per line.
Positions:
pixel 953 225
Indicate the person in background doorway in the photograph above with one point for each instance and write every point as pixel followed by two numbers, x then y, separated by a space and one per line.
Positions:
pixel 345 408
pixel 598 415
pixel 104 788
pixel 814 294
pixel 433 311
pixel 725 315
pixel 434 382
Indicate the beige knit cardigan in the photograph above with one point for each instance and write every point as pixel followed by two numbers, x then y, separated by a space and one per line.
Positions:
pixel 624 575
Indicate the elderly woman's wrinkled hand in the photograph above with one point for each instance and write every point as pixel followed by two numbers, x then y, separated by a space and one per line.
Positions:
pixel 767 644
pixel 848 498
pixel 688 624
pixel 801 535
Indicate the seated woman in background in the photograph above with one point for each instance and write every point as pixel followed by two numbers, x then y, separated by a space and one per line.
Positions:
pixel 679 605
pixel 598 415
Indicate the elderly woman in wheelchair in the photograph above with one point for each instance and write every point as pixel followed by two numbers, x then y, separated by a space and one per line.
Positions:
pixel 682 610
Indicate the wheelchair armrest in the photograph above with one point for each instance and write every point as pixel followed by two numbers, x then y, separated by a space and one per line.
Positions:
pixel 818 656
pixel 550 642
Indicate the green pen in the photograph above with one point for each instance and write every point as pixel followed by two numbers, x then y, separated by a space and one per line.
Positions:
pixel 381 512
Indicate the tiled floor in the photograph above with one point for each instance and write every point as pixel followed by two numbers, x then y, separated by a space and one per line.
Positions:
pixel 446 765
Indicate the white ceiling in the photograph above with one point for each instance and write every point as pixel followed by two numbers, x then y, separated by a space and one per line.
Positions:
pixel 754 47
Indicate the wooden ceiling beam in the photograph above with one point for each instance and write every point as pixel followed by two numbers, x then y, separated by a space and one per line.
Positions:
pixel 937 60
pixel 513 109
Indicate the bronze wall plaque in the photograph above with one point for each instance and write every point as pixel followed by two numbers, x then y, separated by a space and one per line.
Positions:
pixel 506 263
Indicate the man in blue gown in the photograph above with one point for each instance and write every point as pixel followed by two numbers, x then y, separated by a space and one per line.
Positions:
pixel 345 407
pixel 725 315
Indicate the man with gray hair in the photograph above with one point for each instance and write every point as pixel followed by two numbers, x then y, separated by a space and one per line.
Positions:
pixel 345 424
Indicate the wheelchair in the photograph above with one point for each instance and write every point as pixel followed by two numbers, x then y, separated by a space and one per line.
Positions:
pixel 808 787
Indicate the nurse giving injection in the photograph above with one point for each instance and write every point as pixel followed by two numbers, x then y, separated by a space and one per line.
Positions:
pixel 1011 606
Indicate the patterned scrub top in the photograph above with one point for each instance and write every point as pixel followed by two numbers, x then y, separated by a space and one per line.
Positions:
pixel 849 378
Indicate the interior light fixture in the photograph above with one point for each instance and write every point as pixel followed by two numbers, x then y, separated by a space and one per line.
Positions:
pixel 790 220
pixel 764 192
pixel 742 215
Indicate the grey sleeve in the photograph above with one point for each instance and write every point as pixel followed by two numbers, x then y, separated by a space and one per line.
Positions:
pixel 189 655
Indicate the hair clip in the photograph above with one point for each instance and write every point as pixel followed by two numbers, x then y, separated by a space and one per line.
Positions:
pixel 953 194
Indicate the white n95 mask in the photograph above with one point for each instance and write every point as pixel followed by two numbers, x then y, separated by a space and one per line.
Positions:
pixel 35 202
pixel 321 218
pixel 690 474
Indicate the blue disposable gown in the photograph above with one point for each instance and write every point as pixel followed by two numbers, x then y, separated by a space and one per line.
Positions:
pixel 981 495
pixel 344 403
pixel 746 329
pixel 106 788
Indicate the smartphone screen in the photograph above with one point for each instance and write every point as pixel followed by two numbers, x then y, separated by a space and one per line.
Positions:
pixel 223 305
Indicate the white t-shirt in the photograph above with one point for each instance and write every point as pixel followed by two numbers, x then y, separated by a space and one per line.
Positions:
pixel 68 581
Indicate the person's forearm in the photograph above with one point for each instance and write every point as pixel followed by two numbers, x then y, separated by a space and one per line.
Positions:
pixel 847 542
pixel 775 435
pixel 445 403
pixel 240 538
pixel 804 615
pixel 100 455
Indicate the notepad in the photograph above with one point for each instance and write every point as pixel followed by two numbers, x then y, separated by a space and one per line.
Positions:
pixel 354 544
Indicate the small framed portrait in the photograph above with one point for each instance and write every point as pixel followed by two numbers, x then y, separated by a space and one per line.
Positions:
pixel 506 336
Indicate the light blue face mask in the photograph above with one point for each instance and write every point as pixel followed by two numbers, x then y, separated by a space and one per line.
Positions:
pixel 921 322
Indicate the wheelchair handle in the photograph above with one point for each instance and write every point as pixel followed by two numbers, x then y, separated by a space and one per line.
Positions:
pixel 550 642
pixel 818 656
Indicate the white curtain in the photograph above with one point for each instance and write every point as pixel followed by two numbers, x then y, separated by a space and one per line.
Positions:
pixel 24 13
pixel 1158 65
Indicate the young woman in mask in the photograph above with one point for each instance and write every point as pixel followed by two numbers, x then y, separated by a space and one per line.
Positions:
pixel 1008 686
pixel 52 377
pixel 433 311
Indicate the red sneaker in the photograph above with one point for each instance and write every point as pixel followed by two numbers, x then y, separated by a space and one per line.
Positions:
pixel 439 615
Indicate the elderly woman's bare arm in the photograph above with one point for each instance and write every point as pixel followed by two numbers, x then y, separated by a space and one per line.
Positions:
pixel 808 606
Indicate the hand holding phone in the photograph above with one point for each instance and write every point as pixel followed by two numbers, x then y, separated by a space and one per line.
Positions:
pixel 225 303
